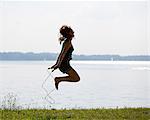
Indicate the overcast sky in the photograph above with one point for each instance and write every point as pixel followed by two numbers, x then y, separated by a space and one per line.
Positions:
pixel 108 27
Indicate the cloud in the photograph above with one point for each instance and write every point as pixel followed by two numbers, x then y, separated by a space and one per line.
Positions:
pixel 104 25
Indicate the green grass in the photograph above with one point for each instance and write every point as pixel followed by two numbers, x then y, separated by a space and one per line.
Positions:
pixel 77 114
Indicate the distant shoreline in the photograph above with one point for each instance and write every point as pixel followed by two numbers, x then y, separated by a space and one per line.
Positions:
pixel 30 56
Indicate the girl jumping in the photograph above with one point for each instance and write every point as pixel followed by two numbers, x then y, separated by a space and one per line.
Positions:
pixel 63 60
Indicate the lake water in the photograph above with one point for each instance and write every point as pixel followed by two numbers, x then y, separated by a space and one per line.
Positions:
pixel 108 84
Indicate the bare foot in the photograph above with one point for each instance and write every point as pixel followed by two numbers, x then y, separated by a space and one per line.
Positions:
pixel 56 83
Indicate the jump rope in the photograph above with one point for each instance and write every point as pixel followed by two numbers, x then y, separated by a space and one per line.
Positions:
pixel 47 97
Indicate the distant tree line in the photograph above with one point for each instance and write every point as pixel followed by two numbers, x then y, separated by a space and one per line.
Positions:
pixel 53 56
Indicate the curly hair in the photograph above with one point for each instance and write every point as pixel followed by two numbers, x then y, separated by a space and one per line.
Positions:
pixel 64 31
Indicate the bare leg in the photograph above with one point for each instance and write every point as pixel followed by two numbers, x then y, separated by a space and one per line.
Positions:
pixel 72 77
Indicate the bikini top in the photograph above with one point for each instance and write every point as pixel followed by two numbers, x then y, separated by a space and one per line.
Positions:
pixel 68 55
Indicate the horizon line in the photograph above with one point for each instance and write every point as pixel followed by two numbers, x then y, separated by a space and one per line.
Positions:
pixel 25 52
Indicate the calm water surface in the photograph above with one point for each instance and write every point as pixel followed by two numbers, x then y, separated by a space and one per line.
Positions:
pixel 103 84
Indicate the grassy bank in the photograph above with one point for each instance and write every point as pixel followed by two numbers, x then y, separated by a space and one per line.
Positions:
pixel 77 114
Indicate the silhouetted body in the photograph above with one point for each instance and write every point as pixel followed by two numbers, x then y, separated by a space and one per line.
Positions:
pixel 65 64
pixel 63 60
